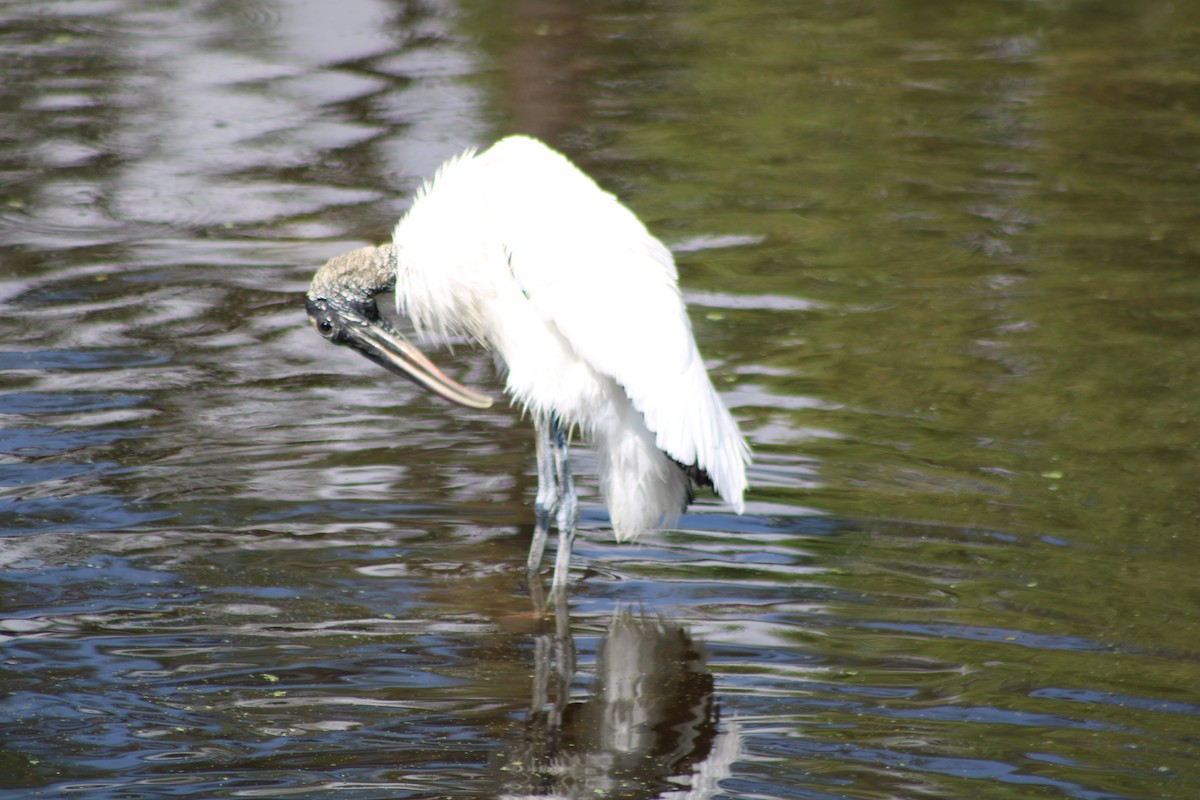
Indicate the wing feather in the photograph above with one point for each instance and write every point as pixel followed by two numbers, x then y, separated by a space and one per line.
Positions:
pixel 591 268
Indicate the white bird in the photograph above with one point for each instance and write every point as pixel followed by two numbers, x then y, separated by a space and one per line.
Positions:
pixel 519 250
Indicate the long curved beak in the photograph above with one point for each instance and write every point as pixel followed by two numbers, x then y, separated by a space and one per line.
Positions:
pixel 368 333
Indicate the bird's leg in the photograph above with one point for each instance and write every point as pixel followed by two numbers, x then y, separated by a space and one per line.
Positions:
pixel 568 509
pixel 546 502
pixel 564 645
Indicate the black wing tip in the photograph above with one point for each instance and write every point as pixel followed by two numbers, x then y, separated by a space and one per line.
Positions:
pixel 697 477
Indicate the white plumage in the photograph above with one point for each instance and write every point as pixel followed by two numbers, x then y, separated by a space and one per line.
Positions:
pixel 517 248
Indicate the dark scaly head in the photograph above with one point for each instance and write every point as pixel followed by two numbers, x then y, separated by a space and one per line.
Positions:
pixel 341 307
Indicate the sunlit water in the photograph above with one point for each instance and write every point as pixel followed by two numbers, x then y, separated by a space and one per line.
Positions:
pixel 942 259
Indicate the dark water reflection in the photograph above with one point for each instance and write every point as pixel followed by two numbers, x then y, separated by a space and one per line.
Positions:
pixel 942 259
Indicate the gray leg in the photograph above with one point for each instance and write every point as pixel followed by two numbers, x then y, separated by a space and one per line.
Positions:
pixel 568 509
pixel 564 645
pixel 546 502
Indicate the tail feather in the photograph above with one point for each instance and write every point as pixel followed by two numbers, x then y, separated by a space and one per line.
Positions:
pixel 643 487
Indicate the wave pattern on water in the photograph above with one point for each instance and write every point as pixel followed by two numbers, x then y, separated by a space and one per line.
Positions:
pixel 943 271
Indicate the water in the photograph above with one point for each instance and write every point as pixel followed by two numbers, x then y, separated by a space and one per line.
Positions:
pixel 942 261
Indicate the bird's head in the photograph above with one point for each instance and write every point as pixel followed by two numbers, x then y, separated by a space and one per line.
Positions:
pixel 341 307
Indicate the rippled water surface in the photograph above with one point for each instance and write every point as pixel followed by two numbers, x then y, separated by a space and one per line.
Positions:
pixel 943 261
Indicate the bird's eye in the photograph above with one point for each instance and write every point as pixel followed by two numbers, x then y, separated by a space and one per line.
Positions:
pixel 324 327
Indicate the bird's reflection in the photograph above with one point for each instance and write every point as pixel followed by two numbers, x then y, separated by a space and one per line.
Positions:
pixel 647 728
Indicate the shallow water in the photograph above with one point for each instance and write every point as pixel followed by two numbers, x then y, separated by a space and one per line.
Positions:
pixel 942 259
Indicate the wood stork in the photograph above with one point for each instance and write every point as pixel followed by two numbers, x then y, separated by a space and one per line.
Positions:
pixel 519 250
